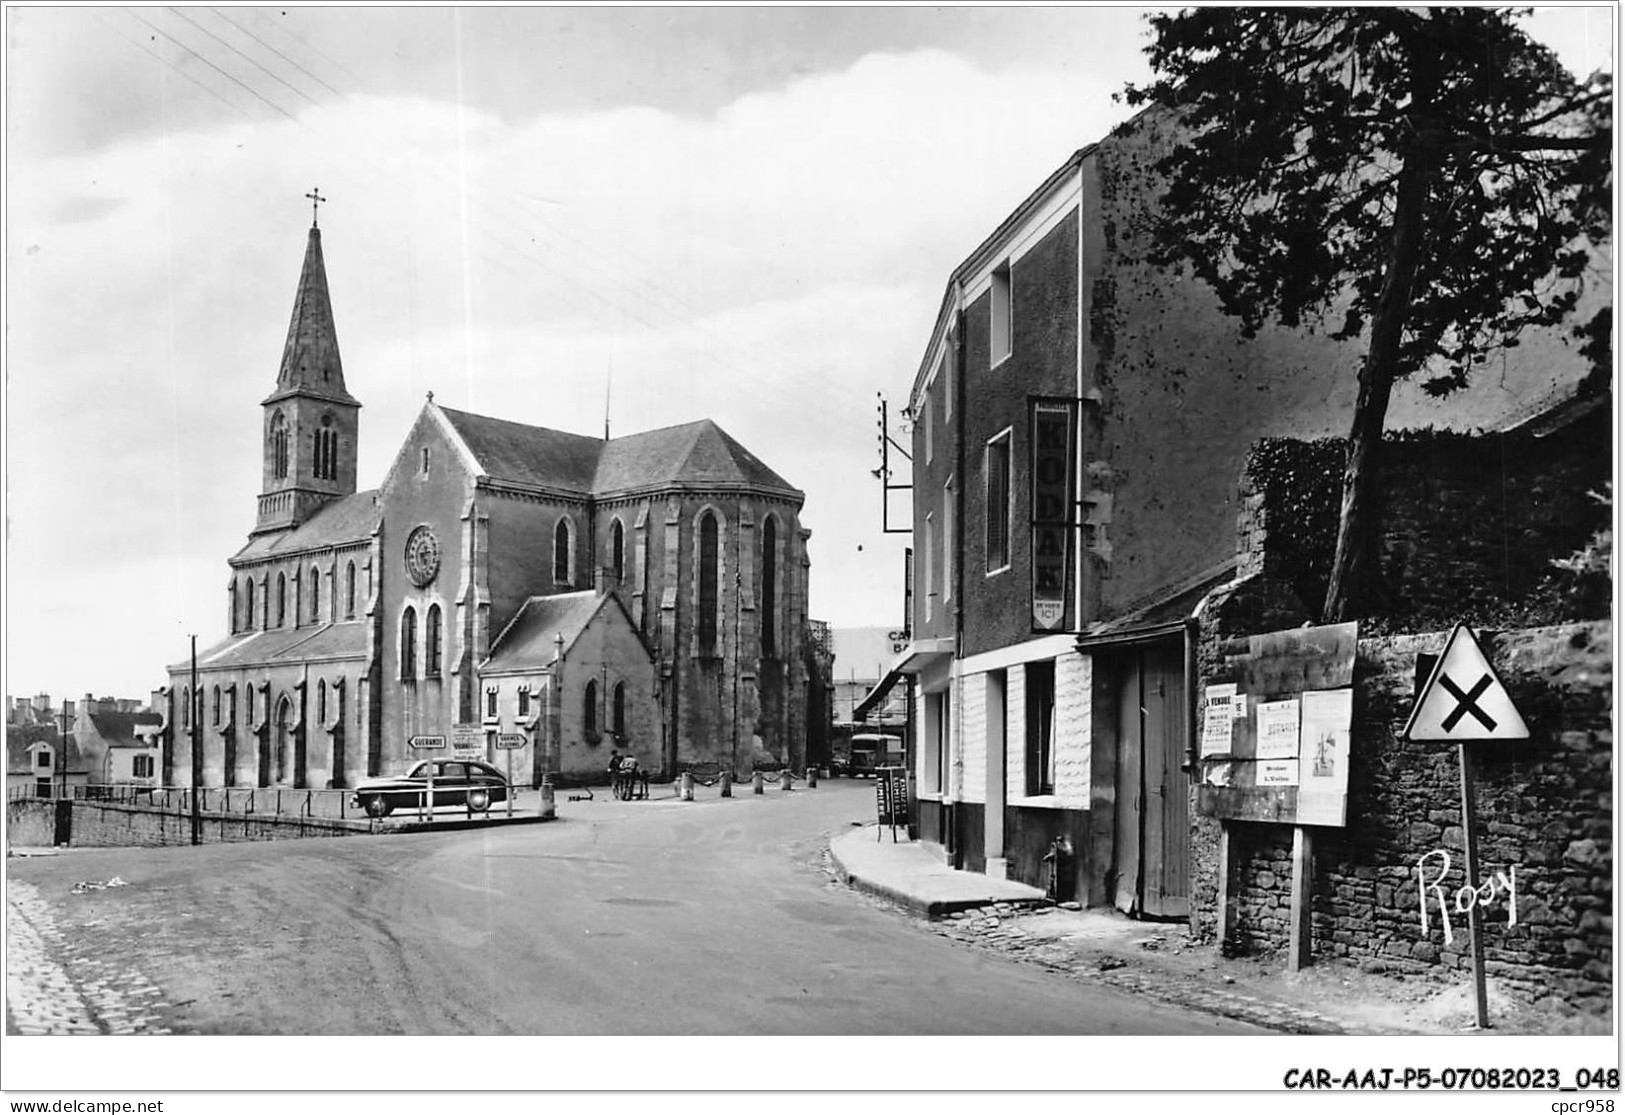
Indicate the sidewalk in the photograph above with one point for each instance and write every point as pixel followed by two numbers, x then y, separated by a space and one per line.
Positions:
pixel 1162 959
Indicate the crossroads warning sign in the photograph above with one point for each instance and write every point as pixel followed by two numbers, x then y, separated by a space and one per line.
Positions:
pixel 1464 698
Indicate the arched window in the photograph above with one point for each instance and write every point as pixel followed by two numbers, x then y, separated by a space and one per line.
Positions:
pixel 561 553
pixel 325 442
pixel 589 710
pixel 349 591
pixel 617 551
pixel 409 644
pixel 281 599
pixel 249 704
pixel 431 642
pixel 250 619
pixel 770 587
pixel 235 625
pixel 217 706
pixel 279 446
pixel 618 713
pixel 186 706
pixel 706 622
pixel 321 701
pixel 315 595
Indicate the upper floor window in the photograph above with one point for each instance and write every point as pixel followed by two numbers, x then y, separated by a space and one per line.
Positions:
pixel 561 553
pixel 1001 333
pixel 491 702
pixel 524 701
pixel 617 551
pixel 141 766
pixel 248 616
pixel 589 710
pixel 409 643
pixel 315 595
pixel 770 587
pixel 928 588
pixel 281 599
pixel 349 591
pixel 425 464
pixel 186 707
pixel 997 468
pixel 948 539
pixel 235 625
pixel 618 711
pixel 431 642
pixel 321 700
pixel 217 705
pixel 43 759
pixel 705 627
pixel 925 427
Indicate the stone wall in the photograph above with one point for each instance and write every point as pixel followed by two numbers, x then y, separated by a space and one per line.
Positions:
pixel 1545 808
pixel 112 825
pixel 1469 523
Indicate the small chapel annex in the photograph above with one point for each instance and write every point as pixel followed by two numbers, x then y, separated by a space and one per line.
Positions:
pixel 645 593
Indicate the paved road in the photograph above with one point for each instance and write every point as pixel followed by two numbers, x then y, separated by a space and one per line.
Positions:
pixel 711 917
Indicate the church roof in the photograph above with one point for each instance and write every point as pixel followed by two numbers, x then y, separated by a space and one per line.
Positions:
pixel 310 355
pixel 527 454
pixel 349 518
pixel 531 637
pixel 695 453
pixel 280 645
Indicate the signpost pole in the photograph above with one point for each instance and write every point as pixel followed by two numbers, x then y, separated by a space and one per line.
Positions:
pixel 1475 923
pixel 509 752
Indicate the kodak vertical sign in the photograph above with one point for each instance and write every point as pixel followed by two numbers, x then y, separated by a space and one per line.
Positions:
pixel 1054 428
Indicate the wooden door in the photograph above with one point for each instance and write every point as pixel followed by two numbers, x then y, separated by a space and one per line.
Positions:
pixel 1152 826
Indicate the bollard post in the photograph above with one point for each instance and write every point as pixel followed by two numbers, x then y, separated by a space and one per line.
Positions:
pixel 727 779
pixel 812 778
pixel 784 779
pixel 547 807
pixel 757 782
pixel 685 787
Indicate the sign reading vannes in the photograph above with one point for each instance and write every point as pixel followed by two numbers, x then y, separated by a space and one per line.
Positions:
pixel 1053 425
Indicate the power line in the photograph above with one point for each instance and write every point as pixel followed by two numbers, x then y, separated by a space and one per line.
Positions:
pixel 572 282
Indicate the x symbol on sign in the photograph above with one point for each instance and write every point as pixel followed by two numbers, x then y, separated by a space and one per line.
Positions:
pixel 1468 703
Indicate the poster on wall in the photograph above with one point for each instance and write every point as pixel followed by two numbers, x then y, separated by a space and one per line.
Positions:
pixel 1278 729
pixel 1323 760
pixel 1218 719
pixel 1278 772
pixel 1054 426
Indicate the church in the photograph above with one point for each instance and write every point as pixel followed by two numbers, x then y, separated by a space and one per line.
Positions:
pixel 509 592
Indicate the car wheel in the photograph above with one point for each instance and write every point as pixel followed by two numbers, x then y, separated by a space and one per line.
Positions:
pixel 377 806
pixel 479 800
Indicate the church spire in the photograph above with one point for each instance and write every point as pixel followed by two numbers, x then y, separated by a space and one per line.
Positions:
pixel 310 356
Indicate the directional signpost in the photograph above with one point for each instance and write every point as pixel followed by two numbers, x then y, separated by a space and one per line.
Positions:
pixel 427 743
pixel 508 743
pixel 1465 702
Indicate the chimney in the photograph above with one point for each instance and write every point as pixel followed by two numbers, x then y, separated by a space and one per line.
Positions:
pixel 156 704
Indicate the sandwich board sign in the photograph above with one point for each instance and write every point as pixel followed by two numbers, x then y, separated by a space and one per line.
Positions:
pixel 1464 698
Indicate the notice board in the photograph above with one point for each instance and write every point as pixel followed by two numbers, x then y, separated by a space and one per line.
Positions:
pixel 1275 728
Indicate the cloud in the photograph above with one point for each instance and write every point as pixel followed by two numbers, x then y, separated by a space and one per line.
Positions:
pixel 772 265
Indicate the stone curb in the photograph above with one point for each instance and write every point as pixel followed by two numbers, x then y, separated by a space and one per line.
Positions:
pixel 931 909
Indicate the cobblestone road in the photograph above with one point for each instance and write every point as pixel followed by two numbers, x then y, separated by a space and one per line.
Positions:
pixel 55 984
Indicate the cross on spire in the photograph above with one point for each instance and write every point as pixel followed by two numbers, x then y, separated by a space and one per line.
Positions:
pixel 316 199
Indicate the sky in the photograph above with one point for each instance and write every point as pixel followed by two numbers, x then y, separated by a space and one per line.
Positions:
pixel 542 214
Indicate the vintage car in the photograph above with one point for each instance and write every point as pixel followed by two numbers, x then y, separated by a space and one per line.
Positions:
pixel 869 753
pixel 465 783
